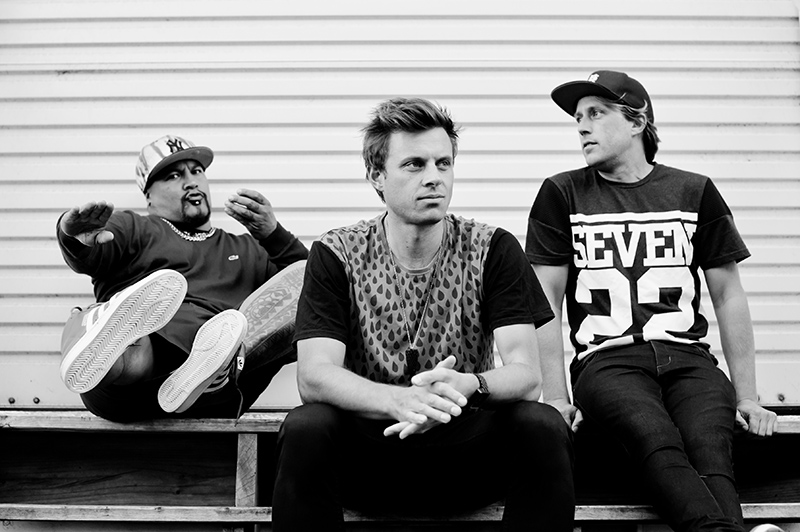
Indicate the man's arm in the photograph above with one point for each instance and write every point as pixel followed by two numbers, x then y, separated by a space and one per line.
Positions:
pixel 738 345
pixel 251 209
pixel 520 376
pixel 322 378
pixel 84 238
pixel 551 345
pixel 87 223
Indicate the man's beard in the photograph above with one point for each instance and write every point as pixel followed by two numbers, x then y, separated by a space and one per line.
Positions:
pixel 192 222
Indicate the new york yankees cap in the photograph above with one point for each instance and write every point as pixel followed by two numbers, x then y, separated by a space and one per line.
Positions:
pixel 168 149
pixel 615 86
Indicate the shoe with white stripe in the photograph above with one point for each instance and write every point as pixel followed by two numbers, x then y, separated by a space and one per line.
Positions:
pixel 216 357
pixel 95 337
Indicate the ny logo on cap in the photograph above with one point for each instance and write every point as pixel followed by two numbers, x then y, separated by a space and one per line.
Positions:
pixel 175 145
pixel 593 78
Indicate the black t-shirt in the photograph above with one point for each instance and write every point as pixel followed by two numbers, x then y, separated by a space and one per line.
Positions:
pixel 633 250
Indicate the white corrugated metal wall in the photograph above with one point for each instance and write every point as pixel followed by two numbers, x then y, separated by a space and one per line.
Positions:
pixel 280 89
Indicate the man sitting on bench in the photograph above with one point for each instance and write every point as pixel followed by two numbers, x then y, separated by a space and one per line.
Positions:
pixel 165 337
pixel 623 241
pixel 405 409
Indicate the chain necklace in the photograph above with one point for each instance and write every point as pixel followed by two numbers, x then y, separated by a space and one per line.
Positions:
pixel 412 353
pixel 191 237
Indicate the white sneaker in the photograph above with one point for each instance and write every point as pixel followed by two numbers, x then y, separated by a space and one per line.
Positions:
pixel 766 528
pixel 94 338
pixel 210 364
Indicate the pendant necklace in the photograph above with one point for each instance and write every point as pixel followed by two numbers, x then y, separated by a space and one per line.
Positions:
pixel 191 237
pixel 412 353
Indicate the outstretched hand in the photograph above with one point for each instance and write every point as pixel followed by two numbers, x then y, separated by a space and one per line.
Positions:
pixel 252 210
pixel 88 223
pixel 440 396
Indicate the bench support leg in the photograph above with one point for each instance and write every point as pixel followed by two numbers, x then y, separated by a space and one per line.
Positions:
pixel 247 473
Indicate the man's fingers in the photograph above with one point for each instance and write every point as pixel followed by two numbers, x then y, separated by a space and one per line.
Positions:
pixel 427 377
pixel 448 363
pixel 740 420
pixel 96 210
pixel 250 200
pixel 408 430
pixel 415 417
pixel 104 237
pixel 577 421
pixel 397 428
pixel 438 373
pixel 448 392
pixel 252 195
pixel 85 221
pixel 439 413
pixel 404 429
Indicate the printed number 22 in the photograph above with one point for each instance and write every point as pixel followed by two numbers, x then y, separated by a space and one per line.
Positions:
pixel 648 288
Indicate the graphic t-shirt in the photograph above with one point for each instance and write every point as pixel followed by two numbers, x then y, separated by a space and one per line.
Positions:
pixel 355 293
pixel 634 250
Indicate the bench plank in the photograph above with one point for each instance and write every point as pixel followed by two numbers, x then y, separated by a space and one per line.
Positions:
pixel 83 421
pixel 250 422
pixel 263 514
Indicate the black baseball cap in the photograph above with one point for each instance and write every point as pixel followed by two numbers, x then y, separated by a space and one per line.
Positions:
pixel 615 86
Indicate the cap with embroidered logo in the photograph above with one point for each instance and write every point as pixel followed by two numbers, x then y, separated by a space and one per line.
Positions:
pixel 615 86
pixel 168 149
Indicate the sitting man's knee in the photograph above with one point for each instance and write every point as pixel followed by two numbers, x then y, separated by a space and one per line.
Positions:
pixel 541 421
pixel 310 421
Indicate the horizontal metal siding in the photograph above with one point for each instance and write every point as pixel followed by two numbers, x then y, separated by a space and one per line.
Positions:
pixel 280 90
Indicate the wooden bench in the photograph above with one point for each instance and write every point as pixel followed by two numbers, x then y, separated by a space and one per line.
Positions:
pixel 68 465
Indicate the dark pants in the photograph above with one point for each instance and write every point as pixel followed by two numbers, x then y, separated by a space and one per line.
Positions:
pixel 328 458
pixel 139 401
pixel 673 410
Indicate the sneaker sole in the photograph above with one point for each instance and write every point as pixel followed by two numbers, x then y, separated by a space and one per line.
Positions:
pixel 145 310
pixel 214 347
pixel 274 305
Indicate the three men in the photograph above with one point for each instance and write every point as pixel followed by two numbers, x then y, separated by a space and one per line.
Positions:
pixel 404 406
pixel 623 240
pixel 165 336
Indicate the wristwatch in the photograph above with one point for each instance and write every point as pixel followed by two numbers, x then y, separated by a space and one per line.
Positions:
pixel 480 395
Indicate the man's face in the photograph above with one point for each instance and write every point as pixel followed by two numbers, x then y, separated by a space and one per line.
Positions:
pixel 607 137
pixel 180 194
pixel 417 182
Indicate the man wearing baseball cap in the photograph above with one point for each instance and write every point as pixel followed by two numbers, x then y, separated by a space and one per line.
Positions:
pixel 190 320
pixel 623 241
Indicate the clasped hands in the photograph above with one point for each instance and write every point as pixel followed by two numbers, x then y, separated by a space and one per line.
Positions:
pixel 434 397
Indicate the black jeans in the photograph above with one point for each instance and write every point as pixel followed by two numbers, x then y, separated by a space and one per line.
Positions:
pixel 673 410
pixel 328 459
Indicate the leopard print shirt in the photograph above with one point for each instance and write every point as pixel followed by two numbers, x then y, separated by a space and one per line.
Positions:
pixel 452 322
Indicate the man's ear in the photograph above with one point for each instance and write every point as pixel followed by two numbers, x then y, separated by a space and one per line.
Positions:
pixel 375 177
pixel 638 126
